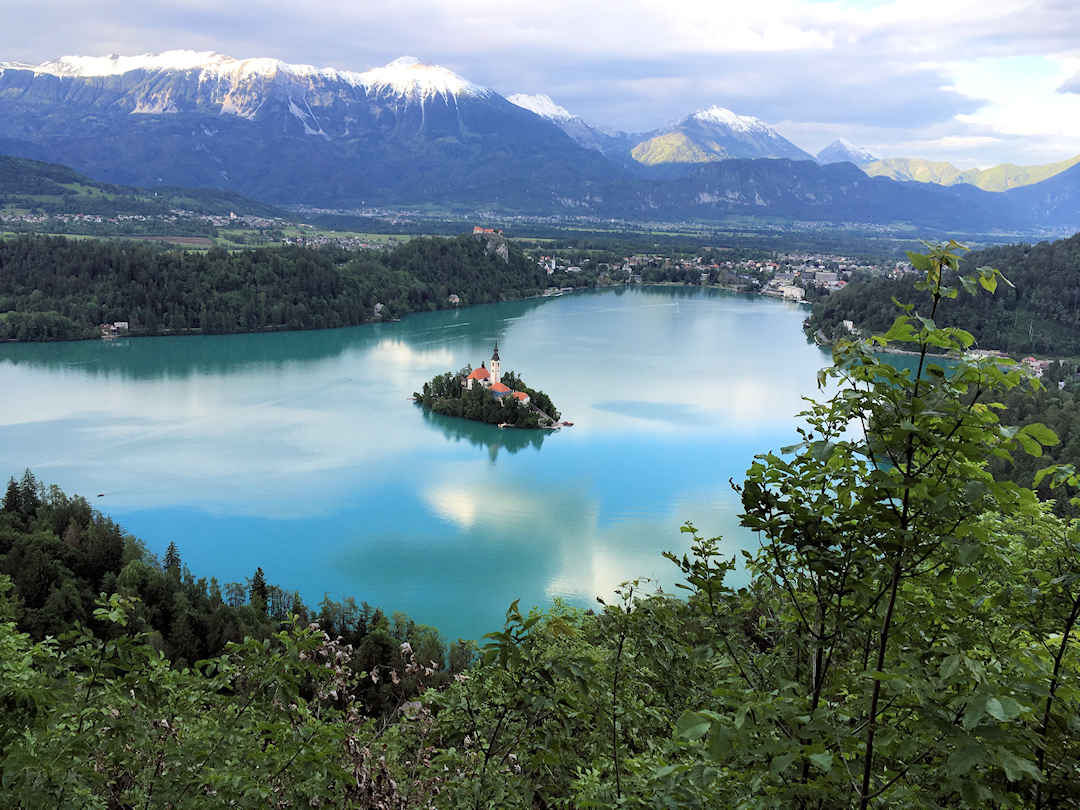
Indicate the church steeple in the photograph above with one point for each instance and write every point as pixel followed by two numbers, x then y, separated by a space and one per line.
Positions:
pixel 496 366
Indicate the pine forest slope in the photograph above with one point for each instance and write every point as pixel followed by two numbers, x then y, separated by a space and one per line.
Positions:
pixel 55 288
pixel 1040 314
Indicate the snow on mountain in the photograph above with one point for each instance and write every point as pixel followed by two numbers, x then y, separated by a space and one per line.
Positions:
pixel 406 130
pixel 407 76
pixel 611 143
pixel 207 62
pixel 542 105
pixel 843 151
pixel 711 134
pixel 726 118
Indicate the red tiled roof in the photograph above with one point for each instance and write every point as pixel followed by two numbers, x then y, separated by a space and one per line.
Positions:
pixel 479 374
pixel 499 388
pixel 520 395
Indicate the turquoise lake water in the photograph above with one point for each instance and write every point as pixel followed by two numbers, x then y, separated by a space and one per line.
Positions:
pixel 301 453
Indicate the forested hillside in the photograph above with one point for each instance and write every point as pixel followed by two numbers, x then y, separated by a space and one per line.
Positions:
pixel 60 554
pixel 1039 314
pixel 906 638
pixel 49 188
pixel 60 289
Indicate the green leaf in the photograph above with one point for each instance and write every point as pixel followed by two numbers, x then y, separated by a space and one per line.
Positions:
pixel 1003 709
pixel 920 261
pixel 740 716
pixel 1042 434
pixel 1031 447
pixel 1041 474
pixel 901 331
pixel 995 709
pixel 823 761
pixel 782 762
pixel 719 742
pixel 1016 767
pixel 692 726
pixel 950 665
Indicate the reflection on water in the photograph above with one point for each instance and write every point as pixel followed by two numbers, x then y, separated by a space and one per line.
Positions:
pixel 479 434
pixel 219 355
pixel 302 452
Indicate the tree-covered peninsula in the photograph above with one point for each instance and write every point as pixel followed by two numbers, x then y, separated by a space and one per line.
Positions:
pixel 905 635
pixel 488 394
pixel 52 288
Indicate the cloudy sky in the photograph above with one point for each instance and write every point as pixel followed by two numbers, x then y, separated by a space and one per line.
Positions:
pixel 976 82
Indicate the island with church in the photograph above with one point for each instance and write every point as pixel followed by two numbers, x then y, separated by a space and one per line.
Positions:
pixel 488 394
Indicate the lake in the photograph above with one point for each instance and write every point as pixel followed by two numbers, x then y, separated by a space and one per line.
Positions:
pixel 300 452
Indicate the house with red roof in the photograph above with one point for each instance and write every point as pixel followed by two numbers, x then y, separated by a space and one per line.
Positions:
pixel 479 375
pixel 489 376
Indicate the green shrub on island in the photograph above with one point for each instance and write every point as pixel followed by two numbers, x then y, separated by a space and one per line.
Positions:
pixel 450 395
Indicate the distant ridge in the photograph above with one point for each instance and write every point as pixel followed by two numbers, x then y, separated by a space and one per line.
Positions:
pixel 997 178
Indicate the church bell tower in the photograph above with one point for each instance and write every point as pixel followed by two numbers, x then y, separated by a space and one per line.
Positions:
pixel 496 366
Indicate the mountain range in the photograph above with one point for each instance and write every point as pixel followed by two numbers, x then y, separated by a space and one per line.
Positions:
pixel 410 133
pixel 996 178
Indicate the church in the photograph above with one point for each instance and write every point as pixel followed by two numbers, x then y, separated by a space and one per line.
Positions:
pixel 490 377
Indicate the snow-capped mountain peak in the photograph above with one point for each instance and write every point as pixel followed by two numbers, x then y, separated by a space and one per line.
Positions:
pixel 725 117
pixel 542 105
pixel 408 76
pixel 843 151
pixel 116 65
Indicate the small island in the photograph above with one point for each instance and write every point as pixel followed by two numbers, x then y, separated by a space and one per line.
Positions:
pixel 487 394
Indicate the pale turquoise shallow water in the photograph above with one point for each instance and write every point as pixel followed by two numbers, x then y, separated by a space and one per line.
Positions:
pixel 300 452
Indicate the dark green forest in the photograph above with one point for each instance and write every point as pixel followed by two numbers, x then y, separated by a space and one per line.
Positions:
pixel 906 637
pixel 445 394
pixel 53 288
pixel 60 554
pixel 1039 314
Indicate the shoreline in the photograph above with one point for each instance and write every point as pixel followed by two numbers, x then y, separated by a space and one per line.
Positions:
pixel 273 328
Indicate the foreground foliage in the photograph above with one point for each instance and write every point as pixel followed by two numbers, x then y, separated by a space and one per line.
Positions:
pixel 907 639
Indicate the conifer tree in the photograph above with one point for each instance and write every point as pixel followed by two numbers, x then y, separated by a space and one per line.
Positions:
pixel 11 497
pixel 259 591
pixel 172 562
pixel 29 499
